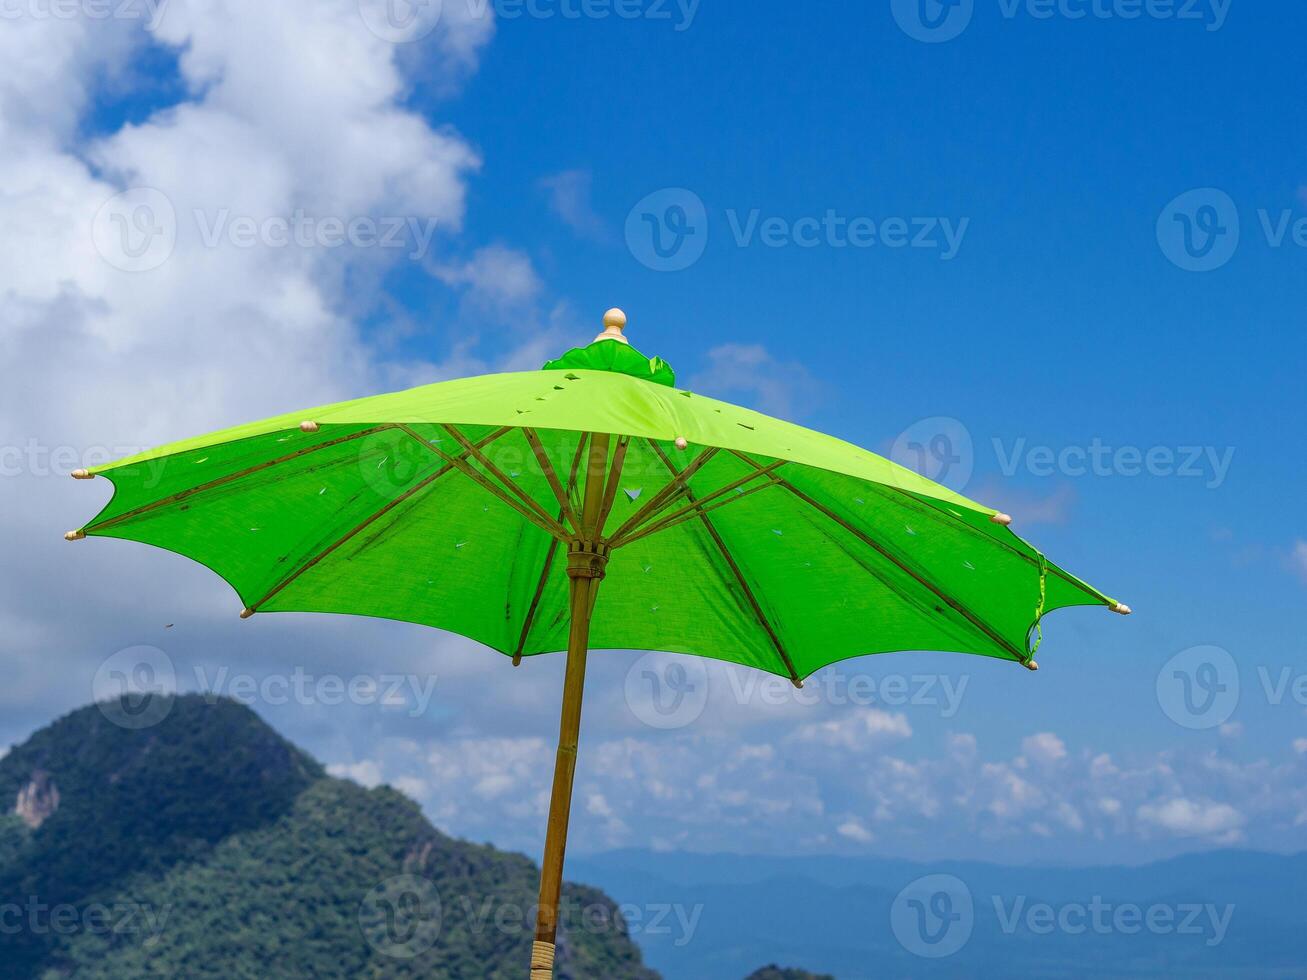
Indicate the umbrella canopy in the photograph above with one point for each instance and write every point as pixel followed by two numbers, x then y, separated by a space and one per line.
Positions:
pixel 733 535
pixel 492 507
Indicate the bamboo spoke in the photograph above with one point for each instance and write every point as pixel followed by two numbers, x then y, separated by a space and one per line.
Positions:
pixel 691 512
pixel 758 614
pixel 344 539
pixel 906 499
pixel 550 525
pixel 662 498
pixel 683 513
pixel 610 490
pixel 545 523
pixel 549 556
pixel 548 467
pixel 919 577
pixel 232 477
pixel 594 480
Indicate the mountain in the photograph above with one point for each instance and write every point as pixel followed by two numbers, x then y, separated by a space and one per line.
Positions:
pixel 1236 915
pixel 774 972
pixel 206 845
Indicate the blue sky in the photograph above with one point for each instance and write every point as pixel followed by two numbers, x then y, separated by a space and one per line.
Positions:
pixel 1055 320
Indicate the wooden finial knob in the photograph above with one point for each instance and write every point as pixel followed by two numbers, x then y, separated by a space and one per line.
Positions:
pixel 74 535
pixel 1004 519
pixel 83 475
pixel 1030 665
pixel 1121 609
pixel 614 322
pixel 246 613
pixel 308 426
pixel 681 442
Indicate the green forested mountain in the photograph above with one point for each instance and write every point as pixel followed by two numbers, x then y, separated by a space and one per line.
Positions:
pixel 208 846
pixel 782 973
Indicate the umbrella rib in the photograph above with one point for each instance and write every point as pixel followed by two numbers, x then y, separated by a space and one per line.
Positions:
pixel 903 566
pixel 528 507
pixel 232 477
pixel 545 465
pixel 549 557
pixel 952 520
pixel 661 498
pixel 739 575
pixel 411 491
pixel 610 490
pixel 684 513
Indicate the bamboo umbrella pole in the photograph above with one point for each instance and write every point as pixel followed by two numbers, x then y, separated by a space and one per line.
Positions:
pixel 586 560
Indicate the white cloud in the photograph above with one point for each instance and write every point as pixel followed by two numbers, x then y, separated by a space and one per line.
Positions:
pixel 751 371
pixel 1300 746
pixel 292 107
pixel 1194 818
pixel 569 198
pixel 1298 559
pixel 365 772
pixel 1044 747
pixel 1101 766
pixel 856 730
pixel 1231 729
pixel 855 831
pixel 494 275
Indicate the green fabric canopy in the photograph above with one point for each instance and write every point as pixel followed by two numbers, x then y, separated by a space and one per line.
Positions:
pixel 815 552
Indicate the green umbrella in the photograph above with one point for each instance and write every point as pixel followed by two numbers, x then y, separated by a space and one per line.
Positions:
pixel 494 506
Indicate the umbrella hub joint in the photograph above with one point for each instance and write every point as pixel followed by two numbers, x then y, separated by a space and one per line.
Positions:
pixel 587 560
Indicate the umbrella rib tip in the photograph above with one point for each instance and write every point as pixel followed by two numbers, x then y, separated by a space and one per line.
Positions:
pixel 1030 665
pixel 82 475
pixel 74 535
pixel 1003 519
pixel 1121 609
pixel 247 612
pixel 309 427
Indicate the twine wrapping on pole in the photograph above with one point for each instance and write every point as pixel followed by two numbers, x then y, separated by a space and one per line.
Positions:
pixel 542 960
